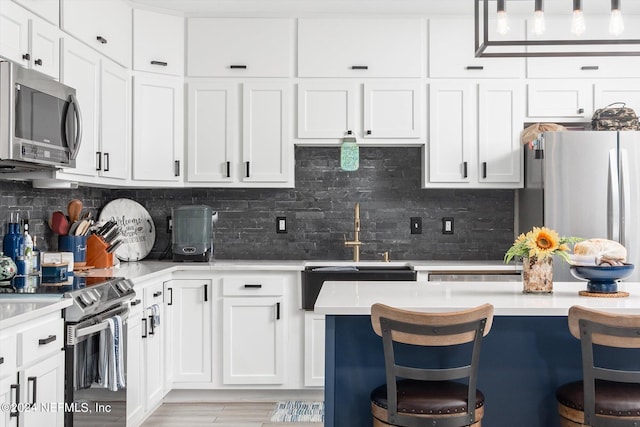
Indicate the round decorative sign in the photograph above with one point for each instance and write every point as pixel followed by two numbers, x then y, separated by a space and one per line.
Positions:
pixel 136 228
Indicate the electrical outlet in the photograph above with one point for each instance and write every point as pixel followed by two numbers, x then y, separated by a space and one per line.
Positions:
pixel 281 224
pixel 416 225
pixel 447 225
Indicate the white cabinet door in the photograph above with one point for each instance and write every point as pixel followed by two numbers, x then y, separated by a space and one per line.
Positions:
pixel 47 9
pixel 358 47
pixel 452 132
pixel 392 109
pixel 326 109
pixel 500 121
pixel 136 367
pixel 157 128
pixel 8 397
pixel 314 332
pixel 81 70
pixel 452 55
pixel 609 92
pixel 267 152
pixel 105 25
pixel 114 128
pixel 45 47
pixel 14 33
pixel 43 383
pixel 261 47
pixel 213 132
pixel 560 99
pixel 253 340
pixel 158 42
pixel 558 28
pixel 154 346
pixel 190 303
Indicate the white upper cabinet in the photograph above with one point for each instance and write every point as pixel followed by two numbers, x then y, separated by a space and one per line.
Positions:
pixel 355 47
pixel 47 9
pixel 392 109
pixel 105 25
pixel 560 99
pixel 29 40
pixel 326 109
pixel 240 47
pixel 115 139
pixel 611 91
pixel 452 51
pixel 558 28
pixel 158 42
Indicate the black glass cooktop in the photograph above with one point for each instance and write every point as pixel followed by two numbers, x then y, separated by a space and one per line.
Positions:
pixel 73 284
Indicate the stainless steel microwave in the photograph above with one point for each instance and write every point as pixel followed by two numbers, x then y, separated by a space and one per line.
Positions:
pixel 40 120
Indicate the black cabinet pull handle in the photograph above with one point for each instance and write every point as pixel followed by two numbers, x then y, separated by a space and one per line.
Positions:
pixel 206 293
pixel 484 169
pixel 106 162
pixel 464 169
pixel 359 67
pixel 34 392
pixel 136 302
pixel 176 166
pixel 26 56
pixel 145 333
pixel 99 160
pixel 171 297
pixel 152 323
pixel 277 311
pixel 38 62
pixel 101 39
pixel 238 67
pixel 228 169
pixel 45 341
pixel 368 132
pixel 580 110
pixel 161 63
pixel 252 285
pixel 349 132
pixel 1 360
pixel 247 167
pixel 474 67
pixel 590 68
pixel 157 294
pixel 15 387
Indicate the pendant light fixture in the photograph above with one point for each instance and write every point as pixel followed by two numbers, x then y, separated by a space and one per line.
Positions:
pixel 578 25
pixel 616 25
pixel 539 26
pixel 519 45
pixel 503 20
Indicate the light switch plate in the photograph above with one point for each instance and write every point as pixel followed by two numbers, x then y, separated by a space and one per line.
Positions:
pixel 447 225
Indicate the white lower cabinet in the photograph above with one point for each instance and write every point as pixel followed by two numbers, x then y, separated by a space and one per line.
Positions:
pixel 135 363
pixel 189 309
pixel 8 391
pixel 43 382
pixel 154 348
pixel 314 333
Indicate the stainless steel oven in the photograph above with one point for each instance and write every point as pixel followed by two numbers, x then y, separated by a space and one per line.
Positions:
pixel 96 353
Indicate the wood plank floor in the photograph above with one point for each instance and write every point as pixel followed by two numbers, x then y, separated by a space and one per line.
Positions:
pixel 243 414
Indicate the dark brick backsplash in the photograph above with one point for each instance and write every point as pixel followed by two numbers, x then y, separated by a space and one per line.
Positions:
pixel 319 211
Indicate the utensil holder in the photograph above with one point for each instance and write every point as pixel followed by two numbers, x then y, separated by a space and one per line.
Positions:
pixel 97 255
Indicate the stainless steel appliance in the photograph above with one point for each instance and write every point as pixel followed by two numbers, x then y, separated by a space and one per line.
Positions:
pixel 314 277
pixel 192 233
pixel 96 302
pixel 584 184
pixel 40 121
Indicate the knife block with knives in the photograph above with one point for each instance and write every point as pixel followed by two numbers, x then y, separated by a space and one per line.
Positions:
pixel 102 244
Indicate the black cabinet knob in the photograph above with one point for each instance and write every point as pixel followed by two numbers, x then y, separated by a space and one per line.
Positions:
pixel 26 57
pixel 38 61
pixel 101 39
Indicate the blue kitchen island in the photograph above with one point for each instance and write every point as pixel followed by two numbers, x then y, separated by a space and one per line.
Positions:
pixel 527 354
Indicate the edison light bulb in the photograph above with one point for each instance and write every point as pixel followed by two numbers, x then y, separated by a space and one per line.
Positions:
pixel 578 26
pixel 539 26
pixel 503 23
pixel 616 25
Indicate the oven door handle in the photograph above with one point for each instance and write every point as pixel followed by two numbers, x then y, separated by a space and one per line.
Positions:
pixel 88 330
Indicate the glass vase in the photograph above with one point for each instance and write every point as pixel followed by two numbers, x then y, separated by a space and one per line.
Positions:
pixel 537 275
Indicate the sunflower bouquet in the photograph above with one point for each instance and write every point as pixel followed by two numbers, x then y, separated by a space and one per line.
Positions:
pixel 540 243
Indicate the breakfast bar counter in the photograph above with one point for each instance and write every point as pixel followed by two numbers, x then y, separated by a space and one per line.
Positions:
pixel 526 355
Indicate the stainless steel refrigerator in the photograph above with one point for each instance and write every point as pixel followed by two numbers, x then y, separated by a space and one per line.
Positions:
pixel 584 184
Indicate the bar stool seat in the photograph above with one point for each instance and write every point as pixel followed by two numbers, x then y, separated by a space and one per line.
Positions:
pixel 616 399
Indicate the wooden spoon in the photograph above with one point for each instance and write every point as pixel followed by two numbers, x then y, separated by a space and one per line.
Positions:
pixel 74 208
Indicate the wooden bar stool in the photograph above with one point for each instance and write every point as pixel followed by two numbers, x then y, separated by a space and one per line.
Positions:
pixel 606 397
pixel 429 396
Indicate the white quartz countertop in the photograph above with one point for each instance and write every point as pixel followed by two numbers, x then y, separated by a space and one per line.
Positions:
pixel 16 309
pixel 356 298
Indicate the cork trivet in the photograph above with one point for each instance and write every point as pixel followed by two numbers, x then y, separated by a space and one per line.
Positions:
pixel 619 294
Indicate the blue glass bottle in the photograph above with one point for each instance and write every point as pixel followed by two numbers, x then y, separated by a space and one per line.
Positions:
pixel 13 241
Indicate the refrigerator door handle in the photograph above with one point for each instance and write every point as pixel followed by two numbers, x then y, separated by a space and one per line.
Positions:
pixel 613 198
pixel 625 192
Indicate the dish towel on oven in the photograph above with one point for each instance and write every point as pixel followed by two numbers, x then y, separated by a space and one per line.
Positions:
pixel 111 358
